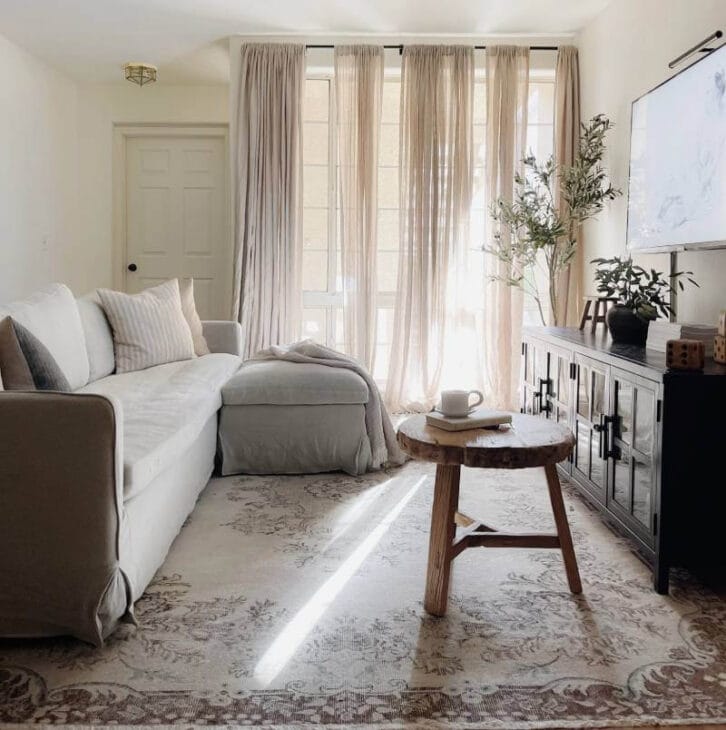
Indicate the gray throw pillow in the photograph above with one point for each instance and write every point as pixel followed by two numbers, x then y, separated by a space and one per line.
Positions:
pixel 42 365
pixel 14 368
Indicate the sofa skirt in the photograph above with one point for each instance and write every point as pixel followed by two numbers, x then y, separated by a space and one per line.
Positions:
pixel 293 439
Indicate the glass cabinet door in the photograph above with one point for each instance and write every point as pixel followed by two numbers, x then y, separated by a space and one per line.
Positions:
pixel 590 409
pixel 560 386
pixel 631 451
pixel 535 376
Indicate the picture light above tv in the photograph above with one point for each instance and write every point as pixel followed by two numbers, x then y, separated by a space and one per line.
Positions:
pixel 677 181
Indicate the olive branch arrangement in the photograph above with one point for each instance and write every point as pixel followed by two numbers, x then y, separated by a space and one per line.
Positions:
pixel 551 202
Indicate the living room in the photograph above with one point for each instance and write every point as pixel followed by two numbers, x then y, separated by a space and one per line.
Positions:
pixel 289 290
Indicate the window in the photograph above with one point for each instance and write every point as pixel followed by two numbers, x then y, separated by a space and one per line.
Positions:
pixel 318 254
pixel 540 140
pixel 322 300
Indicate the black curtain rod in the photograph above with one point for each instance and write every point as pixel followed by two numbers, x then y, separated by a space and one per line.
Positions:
pixel 399 46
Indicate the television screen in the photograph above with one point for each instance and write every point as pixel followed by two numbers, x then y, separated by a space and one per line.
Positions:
pixel 677 185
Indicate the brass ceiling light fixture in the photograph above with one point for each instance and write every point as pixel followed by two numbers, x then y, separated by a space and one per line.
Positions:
pixel 140 73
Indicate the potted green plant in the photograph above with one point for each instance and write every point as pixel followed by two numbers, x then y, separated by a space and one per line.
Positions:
pixel 550 204
pixel 642 296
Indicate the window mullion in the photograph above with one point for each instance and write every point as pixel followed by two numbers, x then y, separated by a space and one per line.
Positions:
pixel 332 206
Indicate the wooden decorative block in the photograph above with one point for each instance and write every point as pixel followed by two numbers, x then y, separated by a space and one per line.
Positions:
pixel 685 355
pixel 722 323
pixel 719 348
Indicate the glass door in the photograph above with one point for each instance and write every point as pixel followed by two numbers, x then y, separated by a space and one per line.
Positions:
pixel 560 386
pixel 631 451
pixel 590 423
pixel 535 380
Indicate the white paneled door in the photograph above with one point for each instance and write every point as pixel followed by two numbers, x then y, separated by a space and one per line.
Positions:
pixel 176 216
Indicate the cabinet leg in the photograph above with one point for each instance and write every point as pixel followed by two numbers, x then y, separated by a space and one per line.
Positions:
pixel 595 316
pixel 661 576
pixel 443 531
pixel 563 529
pixel 585 313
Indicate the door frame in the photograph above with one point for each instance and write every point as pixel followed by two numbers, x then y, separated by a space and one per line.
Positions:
pixel 122 132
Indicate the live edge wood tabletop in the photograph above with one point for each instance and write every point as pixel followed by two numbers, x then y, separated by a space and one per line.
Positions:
pixel 528 442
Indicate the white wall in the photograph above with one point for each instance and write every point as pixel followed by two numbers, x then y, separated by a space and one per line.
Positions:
pixel 56 170
pixel 624 52
pixel 38 174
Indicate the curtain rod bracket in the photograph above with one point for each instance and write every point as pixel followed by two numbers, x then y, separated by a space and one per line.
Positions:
pixel 698 47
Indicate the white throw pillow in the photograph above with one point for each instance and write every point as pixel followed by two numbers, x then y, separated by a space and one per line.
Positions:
pixel 186 290
pixel 51 314
pixel 149 328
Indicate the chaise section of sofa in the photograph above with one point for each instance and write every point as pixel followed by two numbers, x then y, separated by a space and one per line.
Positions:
pixel 96 484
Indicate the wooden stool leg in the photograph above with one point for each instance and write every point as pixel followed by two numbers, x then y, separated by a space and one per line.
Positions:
pixel 585 312
pixel 563 528
pixel 443 531
pixel 595 315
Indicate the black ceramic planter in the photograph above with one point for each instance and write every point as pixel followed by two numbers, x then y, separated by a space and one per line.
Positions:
pixel 626 327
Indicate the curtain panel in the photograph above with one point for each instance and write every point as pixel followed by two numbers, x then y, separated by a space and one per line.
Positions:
pixel 507 92
pixel 435 168
pixel 268 183
pixel 567 141
pixel 358 101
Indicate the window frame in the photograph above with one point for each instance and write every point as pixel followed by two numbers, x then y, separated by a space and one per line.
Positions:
pixel 329 299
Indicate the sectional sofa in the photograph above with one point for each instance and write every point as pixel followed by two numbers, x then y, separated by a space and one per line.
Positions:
pixel 96 483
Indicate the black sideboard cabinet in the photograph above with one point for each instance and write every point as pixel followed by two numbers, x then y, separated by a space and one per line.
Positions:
pixel 650 449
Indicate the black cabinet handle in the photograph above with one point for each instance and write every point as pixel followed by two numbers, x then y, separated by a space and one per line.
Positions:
pixel 611 451
pixel 600 428
pixel 544 405
pixel 132 267
pixel 604 429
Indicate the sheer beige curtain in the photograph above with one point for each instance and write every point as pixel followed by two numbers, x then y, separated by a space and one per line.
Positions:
pixel 436 149
pixel 507 91
pixel 567 139
pixel 268 183
pixel 358 101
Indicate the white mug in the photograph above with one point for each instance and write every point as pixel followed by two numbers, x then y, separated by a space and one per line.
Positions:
pixel 455 403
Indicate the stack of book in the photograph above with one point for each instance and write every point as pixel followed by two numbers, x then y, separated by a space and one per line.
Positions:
pixel 479 418
pixel 660 332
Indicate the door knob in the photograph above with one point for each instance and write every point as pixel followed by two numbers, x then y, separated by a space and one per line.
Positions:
pixel 132 267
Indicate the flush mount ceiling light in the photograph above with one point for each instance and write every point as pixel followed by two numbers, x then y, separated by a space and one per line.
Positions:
pixel 140 73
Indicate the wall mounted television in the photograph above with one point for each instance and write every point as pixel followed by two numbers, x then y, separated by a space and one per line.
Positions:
pixel 677 180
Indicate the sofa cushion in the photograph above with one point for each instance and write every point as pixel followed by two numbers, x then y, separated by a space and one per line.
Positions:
pixel 277 382
pixel 164 410
pixel 99 338
pixel 51 314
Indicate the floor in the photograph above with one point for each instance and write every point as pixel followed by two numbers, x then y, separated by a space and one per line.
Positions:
pixel 292 601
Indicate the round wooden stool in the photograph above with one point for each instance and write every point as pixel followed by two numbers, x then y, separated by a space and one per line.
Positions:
pixel 530 441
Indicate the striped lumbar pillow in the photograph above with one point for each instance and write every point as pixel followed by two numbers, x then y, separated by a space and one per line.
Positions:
pixel 148 328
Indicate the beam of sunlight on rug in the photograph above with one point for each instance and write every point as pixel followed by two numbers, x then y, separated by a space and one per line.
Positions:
pixel 356 511
pixel 286 644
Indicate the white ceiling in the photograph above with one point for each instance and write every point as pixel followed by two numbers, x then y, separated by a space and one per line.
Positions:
pixel 91 39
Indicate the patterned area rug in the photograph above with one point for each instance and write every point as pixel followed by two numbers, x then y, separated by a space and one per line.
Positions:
pixel 298 600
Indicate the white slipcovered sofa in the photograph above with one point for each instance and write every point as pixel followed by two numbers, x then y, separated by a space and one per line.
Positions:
pixel 95 484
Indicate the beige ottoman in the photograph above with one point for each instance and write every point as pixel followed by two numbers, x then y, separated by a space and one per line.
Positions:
pixel 280 417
